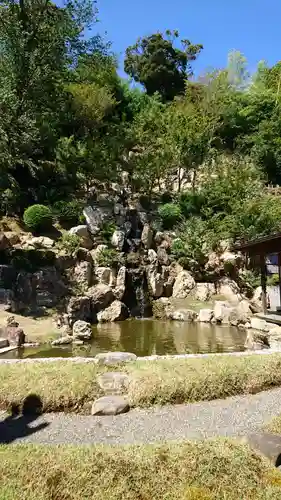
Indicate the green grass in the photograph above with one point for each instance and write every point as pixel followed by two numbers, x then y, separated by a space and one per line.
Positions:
pixel 68 386
pixel 207 470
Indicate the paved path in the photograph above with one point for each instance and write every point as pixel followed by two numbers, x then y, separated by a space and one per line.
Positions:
pixel 235 416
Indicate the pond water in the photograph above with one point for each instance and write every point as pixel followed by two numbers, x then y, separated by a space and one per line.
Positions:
pixel 146 337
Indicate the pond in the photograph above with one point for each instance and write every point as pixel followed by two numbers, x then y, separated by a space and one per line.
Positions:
pixel 147 337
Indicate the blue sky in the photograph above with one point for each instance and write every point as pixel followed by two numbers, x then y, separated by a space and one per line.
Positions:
pixel 251 26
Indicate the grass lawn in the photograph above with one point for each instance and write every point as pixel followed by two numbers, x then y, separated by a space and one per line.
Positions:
pixel 274 425
pixel 207 470
pixel 68 386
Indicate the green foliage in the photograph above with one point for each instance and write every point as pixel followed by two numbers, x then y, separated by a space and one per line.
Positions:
pixel 67 212
pixel 69 243
pixel 109 257
pixel 107 230
pixel 170 214
pixel 159 66
pixel 38 218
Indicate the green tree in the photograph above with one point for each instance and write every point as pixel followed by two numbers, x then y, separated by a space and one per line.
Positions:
pixel 160 66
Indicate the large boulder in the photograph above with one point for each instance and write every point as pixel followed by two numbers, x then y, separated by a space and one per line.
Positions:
pixel 222 312
pixel 84 235
pixel 182 315
pixel 49 286
pixel 205 315
pixel 4 242
pixel 118 239
pixel 274 337
pixel 259 324
pixel 41 242
pixel 183 285
pixel 114 358
pixel 83 273
pixel 82 330
pixel 256 340
pixel 147 236
pixel 204 291
pixel 79 308
pixel 163 257
pixel 117 311
pixel 155 280
pixel 229 289
pixel 110 405
pixel 101 297
pixel 95 217
pixel 104 275
pixel 119 290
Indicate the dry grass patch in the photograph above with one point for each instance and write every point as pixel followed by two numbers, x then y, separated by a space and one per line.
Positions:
pixel 62 386
pixel 68 386
pixel 188 380
pixel 209 470
pixel 274 425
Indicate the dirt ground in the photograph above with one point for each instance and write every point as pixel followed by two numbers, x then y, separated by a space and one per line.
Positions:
pixel 36 329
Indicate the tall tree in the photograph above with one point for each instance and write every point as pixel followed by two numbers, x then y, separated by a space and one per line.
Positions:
pixel 156 63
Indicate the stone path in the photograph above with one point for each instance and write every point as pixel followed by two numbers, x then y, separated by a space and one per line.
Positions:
pixel 236 416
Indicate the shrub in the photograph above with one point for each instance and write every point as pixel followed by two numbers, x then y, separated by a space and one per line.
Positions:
pixel 190 203
pixel 170 214
pixel 68 212
pixel 108 257
pixel 107 230
pixel 38 218
pixel 70 243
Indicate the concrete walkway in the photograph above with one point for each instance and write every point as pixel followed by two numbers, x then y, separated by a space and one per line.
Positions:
pixel 235 416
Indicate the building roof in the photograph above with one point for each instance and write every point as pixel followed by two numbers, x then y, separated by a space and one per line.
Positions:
pixel 261 246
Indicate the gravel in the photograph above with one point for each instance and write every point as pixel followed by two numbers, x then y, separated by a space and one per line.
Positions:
pixel 235 416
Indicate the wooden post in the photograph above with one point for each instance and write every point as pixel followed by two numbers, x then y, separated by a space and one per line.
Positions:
pixel 279 272
pixel 263 283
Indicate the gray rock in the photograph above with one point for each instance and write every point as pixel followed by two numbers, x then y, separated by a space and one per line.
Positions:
pixel 155 280
pixel 82 330
pixel 222 311
pixel 152 256
pixel 6 299
pixel 79 308
pixel 15 335
pixel 205 315
pixel 62 341
pixel 183 315
pixel 117 311
pixel 118 239
pixel 120 283
pixel 4 343
pixel 183 285
pixel 229 290
pixel 163 257
pixel 259 324
pixel 83 273
pixel 95 216
pixel 114 382
pixel 84 235
pixel 268 445
pixel 110 405
pixel 159 237
pixel 256 340
pixel 114 358
pixel 101 297
pixel 4 242
pixel 204 291
pixel 41 242
pixel 147 236
pixel 103 275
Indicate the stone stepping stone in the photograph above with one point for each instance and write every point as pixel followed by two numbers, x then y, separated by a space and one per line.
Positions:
pixel 113 358
pixel 114 382
pixel 110 405
pixel 267 444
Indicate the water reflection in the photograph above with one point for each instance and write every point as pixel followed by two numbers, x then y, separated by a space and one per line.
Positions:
pixel 147 337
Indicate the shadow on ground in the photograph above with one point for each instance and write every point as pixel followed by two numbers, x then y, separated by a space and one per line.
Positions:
pixel 17 424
